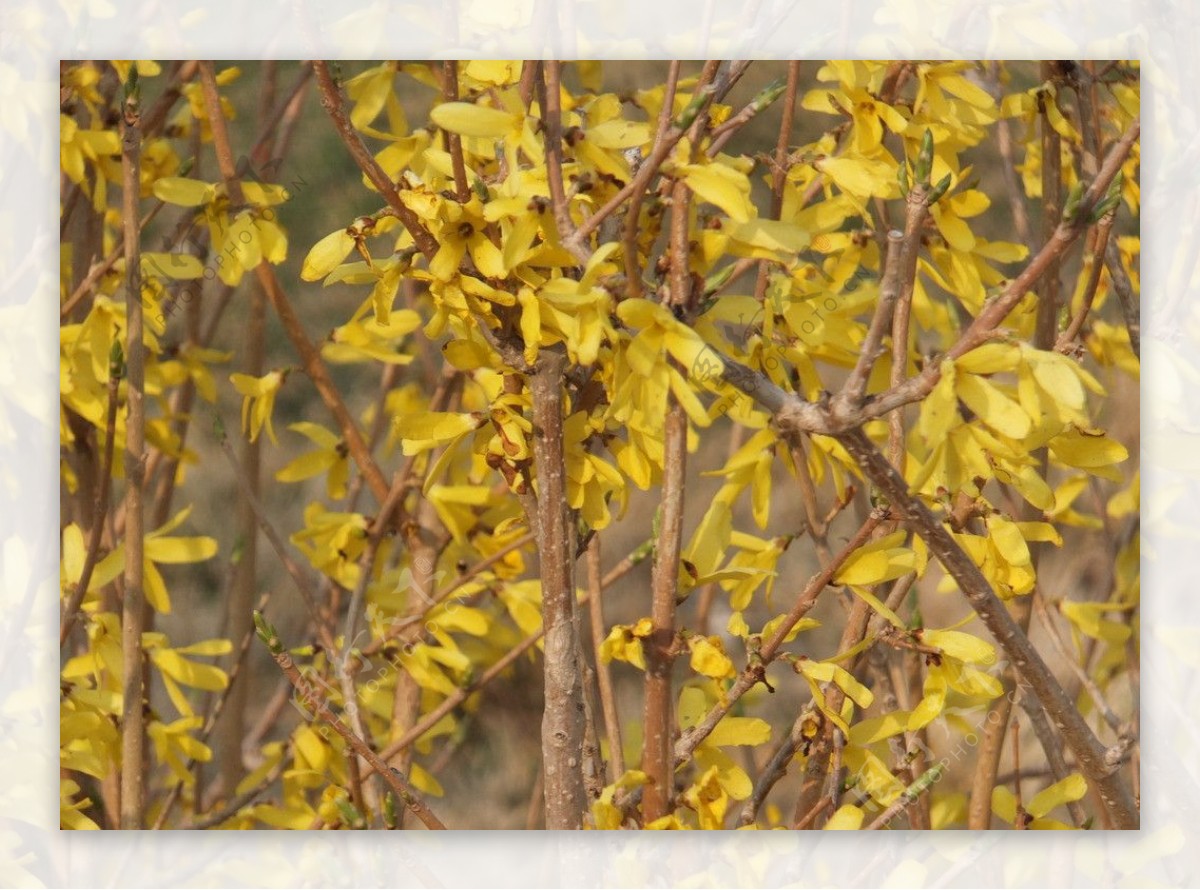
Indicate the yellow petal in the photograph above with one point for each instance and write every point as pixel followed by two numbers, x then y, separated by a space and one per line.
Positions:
pixel 993 407
pixel 962 646
pixel 180 550
pixel 709 658
pixel 326 255
pixel 1087 449
pixel 467 119
pixel 1070 789
pixel 618 134
pixel 436 425
pixel 739 731
pixel 183 192
pixel 847 818
pixel 189 673
pixel 723 186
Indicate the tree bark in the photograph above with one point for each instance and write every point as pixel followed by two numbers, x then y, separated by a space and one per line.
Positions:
pixel 563 716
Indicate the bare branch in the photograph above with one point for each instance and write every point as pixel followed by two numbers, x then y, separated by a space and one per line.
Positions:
pixel 133 693
pixel 331 101
pixel 1024 657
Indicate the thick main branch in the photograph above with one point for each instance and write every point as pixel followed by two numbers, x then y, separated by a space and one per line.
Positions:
pixel 563 716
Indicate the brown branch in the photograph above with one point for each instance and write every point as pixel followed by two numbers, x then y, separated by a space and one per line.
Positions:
pixel 1025 659
pixel 608 701
pixel 310 357
pixel 754 672
pixel 1053 750
pixel 549 90
pixel 562 721
pixel 658 722
pixel 916 209
pixel 302 584
pixel 1068 337
pixel 872 346
pixel 1124 288
pixel 133 692
pixel 331 101
pixel 462 191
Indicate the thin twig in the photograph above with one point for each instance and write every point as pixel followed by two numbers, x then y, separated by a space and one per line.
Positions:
pixel 133 726
pixel 550 89
pixel 331 101
pixel 461 695
pixel 774 771
pixel 238 621
pixel 908 797
pixel 608 701
pixel 1008 167
pixel 1045 330
pixel 1053 750
pixel 247 797
pixel 216 706
pixel 310 357
pixel 881 323
pixel 1068 337
pixel 780 169
pixel 637 187
pixel 726 131
pixel 98 271
pixel 1089 685
pixel 366 567
pixel 916 208
pixel 754 672
pixel 1026 660
pixel 311 699
pixel 462 191
pixel 303 586
pixel 1124 288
